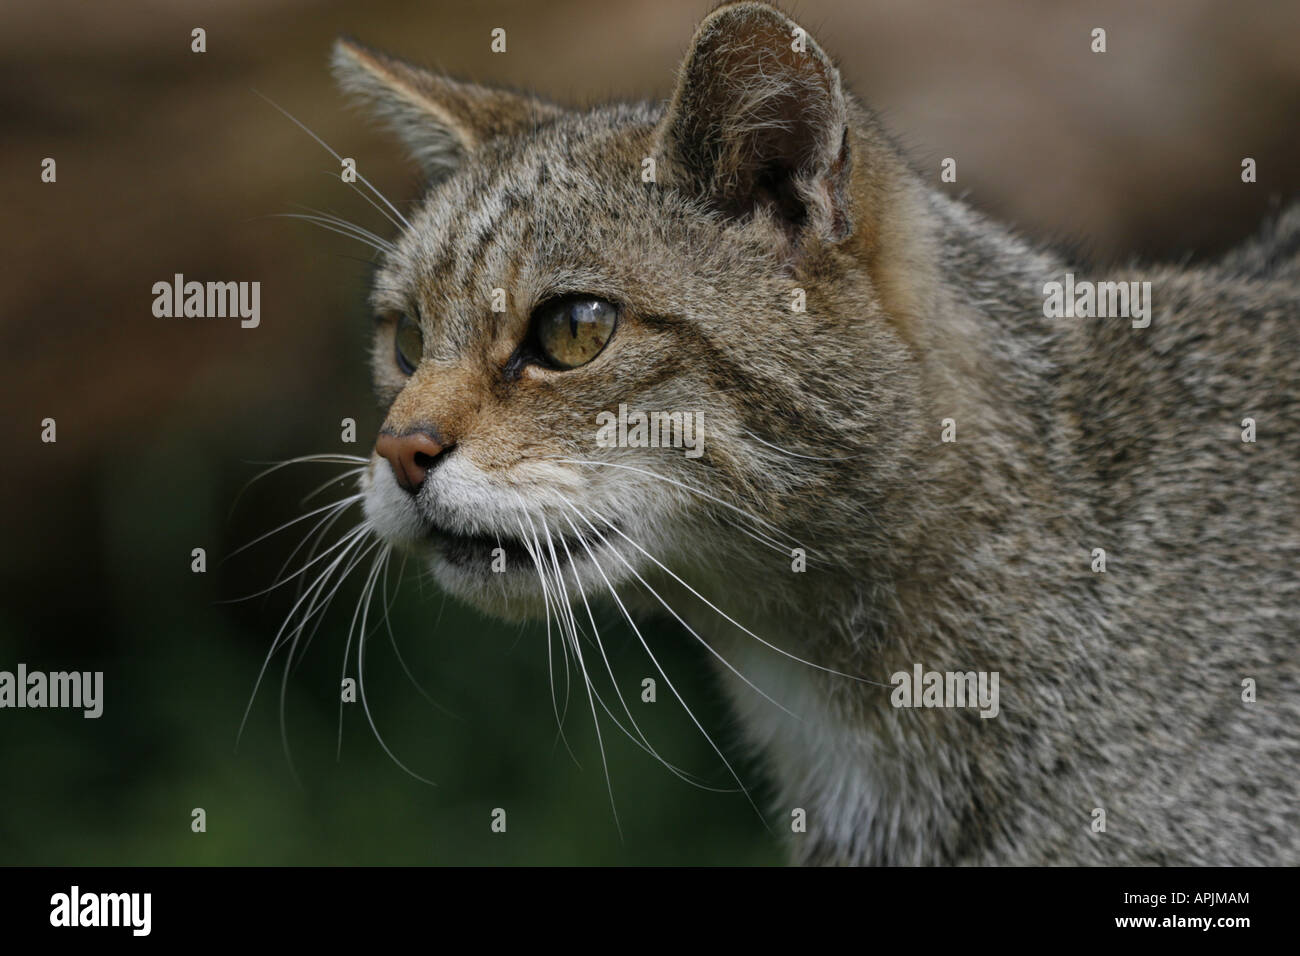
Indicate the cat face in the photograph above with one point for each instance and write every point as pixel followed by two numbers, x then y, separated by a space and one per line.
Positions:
pixel 537 288
pixel 592 321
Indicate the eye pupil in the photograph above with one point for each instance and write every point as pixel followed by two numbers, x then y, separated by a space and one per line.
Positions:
pixel 588 321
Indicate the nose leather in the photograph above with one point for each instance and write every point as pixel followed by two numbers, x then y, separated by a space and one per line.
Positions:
pixel 411 456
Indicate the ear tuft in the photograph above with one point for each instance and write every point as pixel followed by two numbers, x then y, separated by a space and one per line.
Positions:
pixel 440 120
pixel 759 121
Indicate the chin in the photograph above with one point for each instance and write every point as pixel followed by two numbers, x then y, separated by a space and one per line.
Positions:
pixel 512 595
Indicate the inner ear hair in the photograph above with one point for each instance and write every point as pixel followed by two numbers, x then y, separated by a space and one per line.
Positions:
pixel 759 120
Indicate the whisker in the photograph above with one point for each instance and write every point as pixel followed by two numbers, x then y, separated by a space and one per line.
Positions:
pixel 333 459
pixel 643 742
pixel 722 613
pixel 352 538
pixel 672 687
pixel 328 227
pixel 697 491
pixel 293 119
pixel 795 454
pixel 550 665
pixel 331 216
pixel 342 503
pixel 320 608
pixel 347 646
pixel 316 535
pixel 382 211
pixel 312 609
pixel 283 581
pixel 351 473
pixel 707 646
pixel 361 670
pixel 316 607
pixel 586 679
pixel 393 638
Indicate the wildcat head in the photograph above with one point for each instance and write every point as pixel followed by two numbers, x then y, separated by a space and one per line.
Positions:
pixel 715 259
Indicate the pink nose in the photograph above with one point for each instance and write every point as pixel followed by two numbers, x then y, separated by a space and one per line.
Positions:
pixel 411 456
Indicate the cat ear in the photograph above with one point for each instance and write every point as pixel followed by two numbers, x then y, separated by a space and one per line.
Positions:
pixel 440 120
pixel 759 120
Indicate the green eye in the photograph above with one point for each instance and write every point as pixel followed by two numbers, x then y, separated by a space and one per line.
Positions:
pixel 572 331
pixel 409 344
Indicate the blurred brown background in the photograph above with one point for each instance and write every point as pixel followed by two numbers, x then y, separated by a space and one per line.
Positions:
pixel 166 158
pixel 168 162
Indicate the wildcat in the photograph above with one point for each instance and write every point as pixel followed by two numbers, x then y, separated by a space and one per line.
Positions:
pixel 906 464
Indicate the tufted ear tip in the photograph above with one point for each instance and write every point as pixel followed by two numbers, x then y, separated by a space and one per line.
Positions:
pixel 439 119
pixel 365 71
pixel 346 48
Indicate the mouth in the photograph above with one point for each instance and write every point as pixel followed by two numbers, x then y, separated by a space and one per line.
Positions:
pixel 466 550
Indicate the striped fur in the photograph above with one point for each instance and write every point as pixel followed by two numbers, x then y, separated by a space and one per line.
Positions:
pixel 1121 691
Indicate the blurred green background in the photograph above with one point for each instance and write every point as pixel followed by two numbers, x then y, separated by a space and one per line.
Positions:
pixel 167 162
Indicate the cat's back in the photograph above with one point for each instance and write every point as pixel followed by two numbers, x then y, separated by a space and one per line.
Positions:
pixel 1193 411
pixel 1187 440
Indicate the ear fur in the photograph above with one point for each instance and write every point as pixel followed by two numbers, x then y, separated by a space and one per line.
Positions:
pixel 759 120
pixel 440 120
